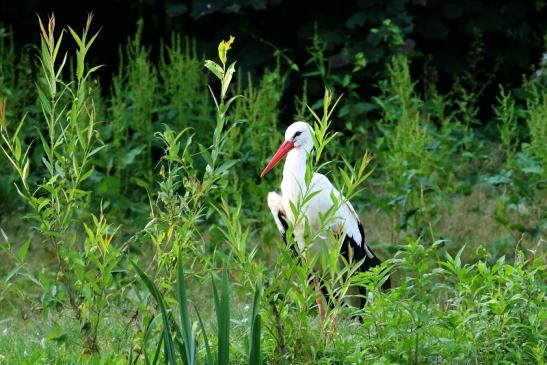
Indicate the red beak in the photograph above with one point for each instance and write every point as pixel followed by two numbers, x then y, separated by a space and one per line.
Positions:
pixel 281 152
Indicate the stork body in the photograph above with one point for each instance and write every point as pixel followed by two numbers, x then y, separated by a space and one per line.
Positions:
pixel 345 222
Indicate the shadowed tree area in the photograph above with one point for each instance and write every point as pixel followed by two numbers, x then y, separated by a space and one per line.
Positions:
pixel 439 34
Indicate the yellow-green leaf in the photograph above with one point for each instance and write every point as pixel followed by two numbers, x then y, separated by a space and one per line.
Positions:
pixel 223 48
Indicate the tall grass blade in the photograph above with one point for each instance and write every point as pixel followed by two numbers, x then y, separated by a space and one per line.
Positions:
pixel 179 343
pixel 147 334
pixel 169 345
pixel 157 353
pixel 254 336
pixel 222 307
pixel 208 354
pixel 187 335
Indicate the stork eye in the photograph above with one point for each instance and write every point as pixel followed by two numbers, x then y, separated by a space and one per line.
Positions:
pixel 296 134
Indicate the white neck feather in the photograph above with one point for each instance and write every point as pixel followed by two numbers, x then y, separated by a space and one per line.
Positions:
pixel 294 173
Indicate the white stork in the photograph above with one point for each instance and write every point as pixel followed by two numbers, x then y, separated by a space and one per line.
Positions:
pixel 297 145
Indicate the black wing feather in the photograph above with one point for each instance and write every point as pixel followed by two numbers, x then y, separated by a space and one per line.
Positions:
pixel 283 219
pixel 351 250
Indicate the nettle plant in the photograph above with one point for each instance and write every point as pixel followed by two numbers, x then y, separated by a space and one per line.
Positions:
pixel 132 104
pixel 415 154
pixel 58 203
pixel 185 94
pixel 524 175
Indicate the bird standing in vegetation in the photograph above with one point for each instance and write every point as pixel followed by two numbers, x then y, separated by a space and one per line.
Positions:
pixel 315 201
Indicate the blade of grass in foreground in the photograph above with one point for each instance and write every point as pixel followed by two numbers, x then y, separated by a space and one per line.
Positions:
pixel 187 335
pixel 209 356
pixel 254 336
pixel 169 345
pixel 147 334
pixel 222 307
pixel 157 353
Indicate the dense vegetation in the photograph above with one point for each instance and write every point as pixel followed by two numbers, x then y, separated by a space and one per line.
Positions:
pixel 134 227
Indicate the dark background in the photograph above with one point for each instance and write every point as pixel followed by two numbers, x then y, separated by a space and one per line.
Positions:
pixel 439 32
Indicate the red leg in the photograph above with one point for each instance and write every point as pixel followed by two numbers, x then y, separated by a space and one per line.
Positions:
pixel 319 299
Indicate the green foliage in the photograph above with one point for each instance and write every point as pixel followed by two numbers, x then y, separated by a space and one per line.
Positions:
pixel 258 109
pixel 182 339
pixel 508 122
pixel 94 274
pixel 16 83
pixel 524 174
pixel 478 313
pixel 184 88
pixel 185 190
pixel 411 150
pixel 133 103
pixel 537 123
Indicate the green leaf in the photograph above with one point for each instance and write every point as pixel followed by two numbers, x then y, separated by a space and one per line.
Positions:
pixel 214 97
pixel 90 43
pixel 17 149
pixel 76 37
pixel 93 69
pixel 57 334
pixel 130 156
pixel 96 150
pixel 227 79
pixel 226 166
pixel 87 174
pixel 231 100
pixel 156 358
pixel 11 274
pixel 24 174
pixel 23 250
pixel 44 102
pixel 215 69
pixel 61 66
pixel 148 332
pixel 205 154
pixel 310 196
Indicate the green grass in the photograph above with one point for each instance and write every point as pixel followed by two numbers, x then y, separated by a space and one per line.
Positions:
pixel 159 169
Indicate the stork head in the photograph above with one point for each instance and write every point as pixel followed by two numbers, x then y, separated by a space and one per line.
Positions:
pixel 297 136
pixel 300 134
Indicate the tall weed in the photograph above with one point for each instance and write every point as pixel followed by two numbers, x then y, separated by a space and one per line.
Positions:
pixel 537 123
pixel 133 103
pixel 407 157
pixel 184 88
